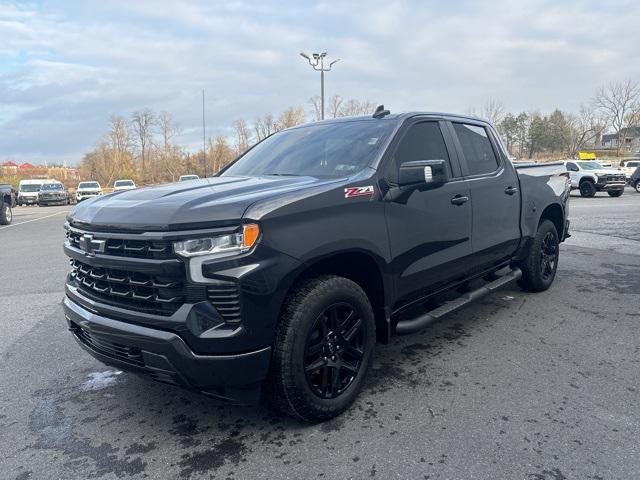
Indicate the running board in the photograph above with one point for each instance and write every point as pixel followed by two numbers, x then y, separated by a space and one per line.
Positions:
pixel 416 324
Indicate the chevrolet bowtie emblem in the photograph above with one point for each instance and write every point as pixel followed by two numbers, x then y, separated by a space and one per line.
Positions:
pixel 90 245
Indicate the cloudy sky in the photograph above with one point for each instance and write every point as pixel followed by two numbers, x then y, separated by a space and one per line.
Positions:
pixel 66 65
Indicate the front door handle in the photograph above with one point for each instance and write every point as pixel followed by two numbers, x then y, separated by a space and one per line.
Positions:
pixel 510 190
pixel 459 200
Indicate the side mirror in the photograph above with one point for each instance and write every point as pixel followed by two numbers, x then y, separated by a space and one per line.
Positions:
pixel 423 174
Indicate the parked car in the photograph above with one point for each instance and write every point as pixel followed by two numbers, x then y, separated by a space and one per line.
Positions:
pixel 634 180
pixel 184 178
pixel 86 190
pixel 590 177
pixel 120 185
pixel 7 202
pixel 28 191
pixel 283 270
pixel 53 193
pixel 629 165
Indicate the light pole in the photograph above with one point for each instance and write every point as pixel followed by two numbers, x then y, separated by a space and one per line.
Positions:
pixel 317 62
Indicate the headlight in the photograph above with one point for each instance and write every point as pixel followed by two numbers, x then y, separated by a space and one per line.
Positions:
pixel 220 246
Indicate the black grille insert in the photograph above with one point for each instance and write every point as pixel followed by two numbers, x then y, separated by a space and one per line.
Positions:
pixel 132 355
pixel 153 249
pixel 225 297
pixel 132 290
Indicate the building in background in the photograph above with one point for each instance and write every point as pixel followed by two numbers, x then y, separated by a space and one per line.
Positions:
pixel 630 138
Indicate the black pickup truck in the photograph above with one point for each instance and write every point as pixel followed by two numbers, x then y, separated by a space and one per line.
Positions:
pixel 283 270
pixel 7 202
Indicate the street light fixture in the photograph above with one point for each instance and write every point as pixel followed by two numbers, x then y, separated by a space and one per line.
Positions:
pixel 318 65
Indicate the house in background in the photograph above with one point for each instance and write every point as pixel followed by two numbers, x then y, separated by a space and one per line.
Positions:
pixel 630 138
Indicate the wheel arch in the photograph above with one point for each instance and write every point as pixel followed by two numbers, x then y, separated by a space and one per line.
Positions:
pixel 362 268
pixel 555 214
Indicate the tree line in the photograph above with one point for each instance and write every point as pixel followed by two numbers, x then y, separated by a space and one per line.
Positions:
pixel 145 145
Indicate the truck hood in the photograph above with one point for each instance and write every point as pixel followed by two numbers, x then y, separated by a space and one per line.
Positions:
pixel 216 201
pixel 606 171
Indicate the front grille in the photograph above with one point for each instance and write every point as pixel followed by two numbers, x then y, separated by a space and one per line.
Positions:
pixel 614 178
pixel 132 290
pixel 152 249
pixel 225 297
pixel 131 355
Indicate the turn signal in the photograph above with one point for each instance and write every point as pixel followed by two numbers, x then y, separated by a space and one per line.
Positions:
pixel 250 234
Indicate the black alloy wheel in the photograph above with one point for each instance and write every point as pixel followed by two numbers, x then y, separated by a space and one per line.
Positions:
pixel 548 256
pixel 334 350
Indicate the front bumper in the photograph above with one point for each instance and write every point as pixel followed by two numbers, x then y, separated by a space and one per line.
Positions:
pixel 27 200
pixel 165 357
pixel 611 186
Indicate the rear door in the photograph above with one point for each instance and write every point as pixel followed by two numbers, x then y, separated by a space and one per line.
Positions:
pixel 430 235
pixel 495 195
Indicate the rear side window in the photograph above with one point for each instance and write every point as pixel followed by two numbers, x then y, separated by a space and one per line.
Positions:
pixel 423 141
pixel 477 149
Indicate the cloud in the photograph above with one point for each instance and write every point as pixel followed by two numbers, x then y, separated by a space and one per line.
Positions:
pixel 66 66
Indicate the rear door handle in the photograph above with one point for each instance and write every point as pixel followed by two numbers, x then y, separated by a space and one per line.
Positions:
pixel 510 190
pixel 459 200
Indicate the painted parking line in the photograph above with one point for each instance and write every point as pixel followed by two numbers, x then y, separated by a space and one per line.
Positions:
pixel 32 220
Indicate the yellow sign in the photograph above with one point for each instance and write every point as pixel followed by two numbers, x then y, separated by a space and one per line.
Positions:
pixel 586 155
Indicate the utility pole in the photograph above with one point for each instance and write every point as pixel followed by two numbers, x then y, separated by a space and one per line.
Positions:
pixel 317 62
pixel 204 141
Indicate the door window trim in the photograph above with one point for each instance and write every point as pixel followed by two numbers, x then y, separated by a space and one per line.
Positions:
pixel 389 170
pixel 463 161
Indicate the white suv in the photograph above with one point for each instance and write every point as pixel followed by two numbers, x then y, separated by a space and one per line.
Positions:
pixel 590 177
pixel 88 190
pixel 120 185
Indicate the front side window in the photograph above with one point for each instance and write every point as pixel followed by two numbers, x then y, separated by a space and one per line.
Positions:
pixel 572 167
pixel 423 141
pixel 477 149
pixel 329 150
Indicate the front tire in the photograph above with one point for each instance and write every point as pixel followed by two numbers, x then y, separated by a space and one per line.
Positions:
pixel 615 193
pixel 323 349
pixel 636 186
pixel 5 214
pixel 587 189
pixel 540 266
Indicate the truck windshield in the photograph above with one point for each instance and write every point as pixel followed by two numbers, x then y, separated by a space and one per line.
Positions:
pixel 88 185
pixel 30 188
pixel 123 183
pixel 323 150
pixel 52 186
pixel 590 165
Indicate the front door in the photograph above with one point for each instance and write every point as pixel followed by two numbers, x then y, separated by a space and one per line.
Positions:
pixel 430 232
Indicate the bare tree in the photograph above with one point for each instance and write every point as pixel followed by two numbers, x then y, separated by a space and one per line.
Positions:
pixel 243 136
pixel 335 105
pixel 169 154
pixel 291 117
pixel 142 123
pixel 264 126
pixel 220 152
pixel 619 102
pixel 356 107
pixel 315 105
pixel 584 129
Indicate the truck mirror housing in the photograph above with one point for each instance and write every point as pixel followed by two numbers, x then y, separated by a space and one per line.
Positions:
pixel 423 173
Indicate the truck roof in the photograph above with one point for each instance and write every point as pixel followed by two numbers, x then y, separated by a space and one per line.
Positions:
pixel 395 117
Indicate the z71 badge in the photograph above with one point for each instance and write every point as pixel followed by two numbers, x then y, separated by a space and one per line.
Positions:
pixel 350 192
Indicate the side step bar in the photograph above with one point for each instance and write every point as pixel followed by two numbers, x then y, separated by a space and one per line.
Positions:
pixel 416 324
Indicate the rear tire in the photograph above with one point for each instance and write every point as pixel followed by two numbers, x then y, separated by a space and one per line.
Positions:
pixel 615 193
pixel 540 266
pixel 323 349
pixel 587 189
pixel 5 214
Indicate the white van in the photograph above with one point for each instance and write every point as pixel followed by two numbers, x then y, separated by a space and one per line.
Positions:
pixel 28 191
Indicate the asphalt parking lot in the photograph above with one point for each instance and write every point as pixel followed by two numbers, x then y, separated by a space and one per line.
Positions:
pixel 518 386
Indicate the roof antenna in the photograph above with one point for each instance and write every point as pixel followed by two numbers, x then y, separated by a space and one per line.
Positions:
pixel 380 112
